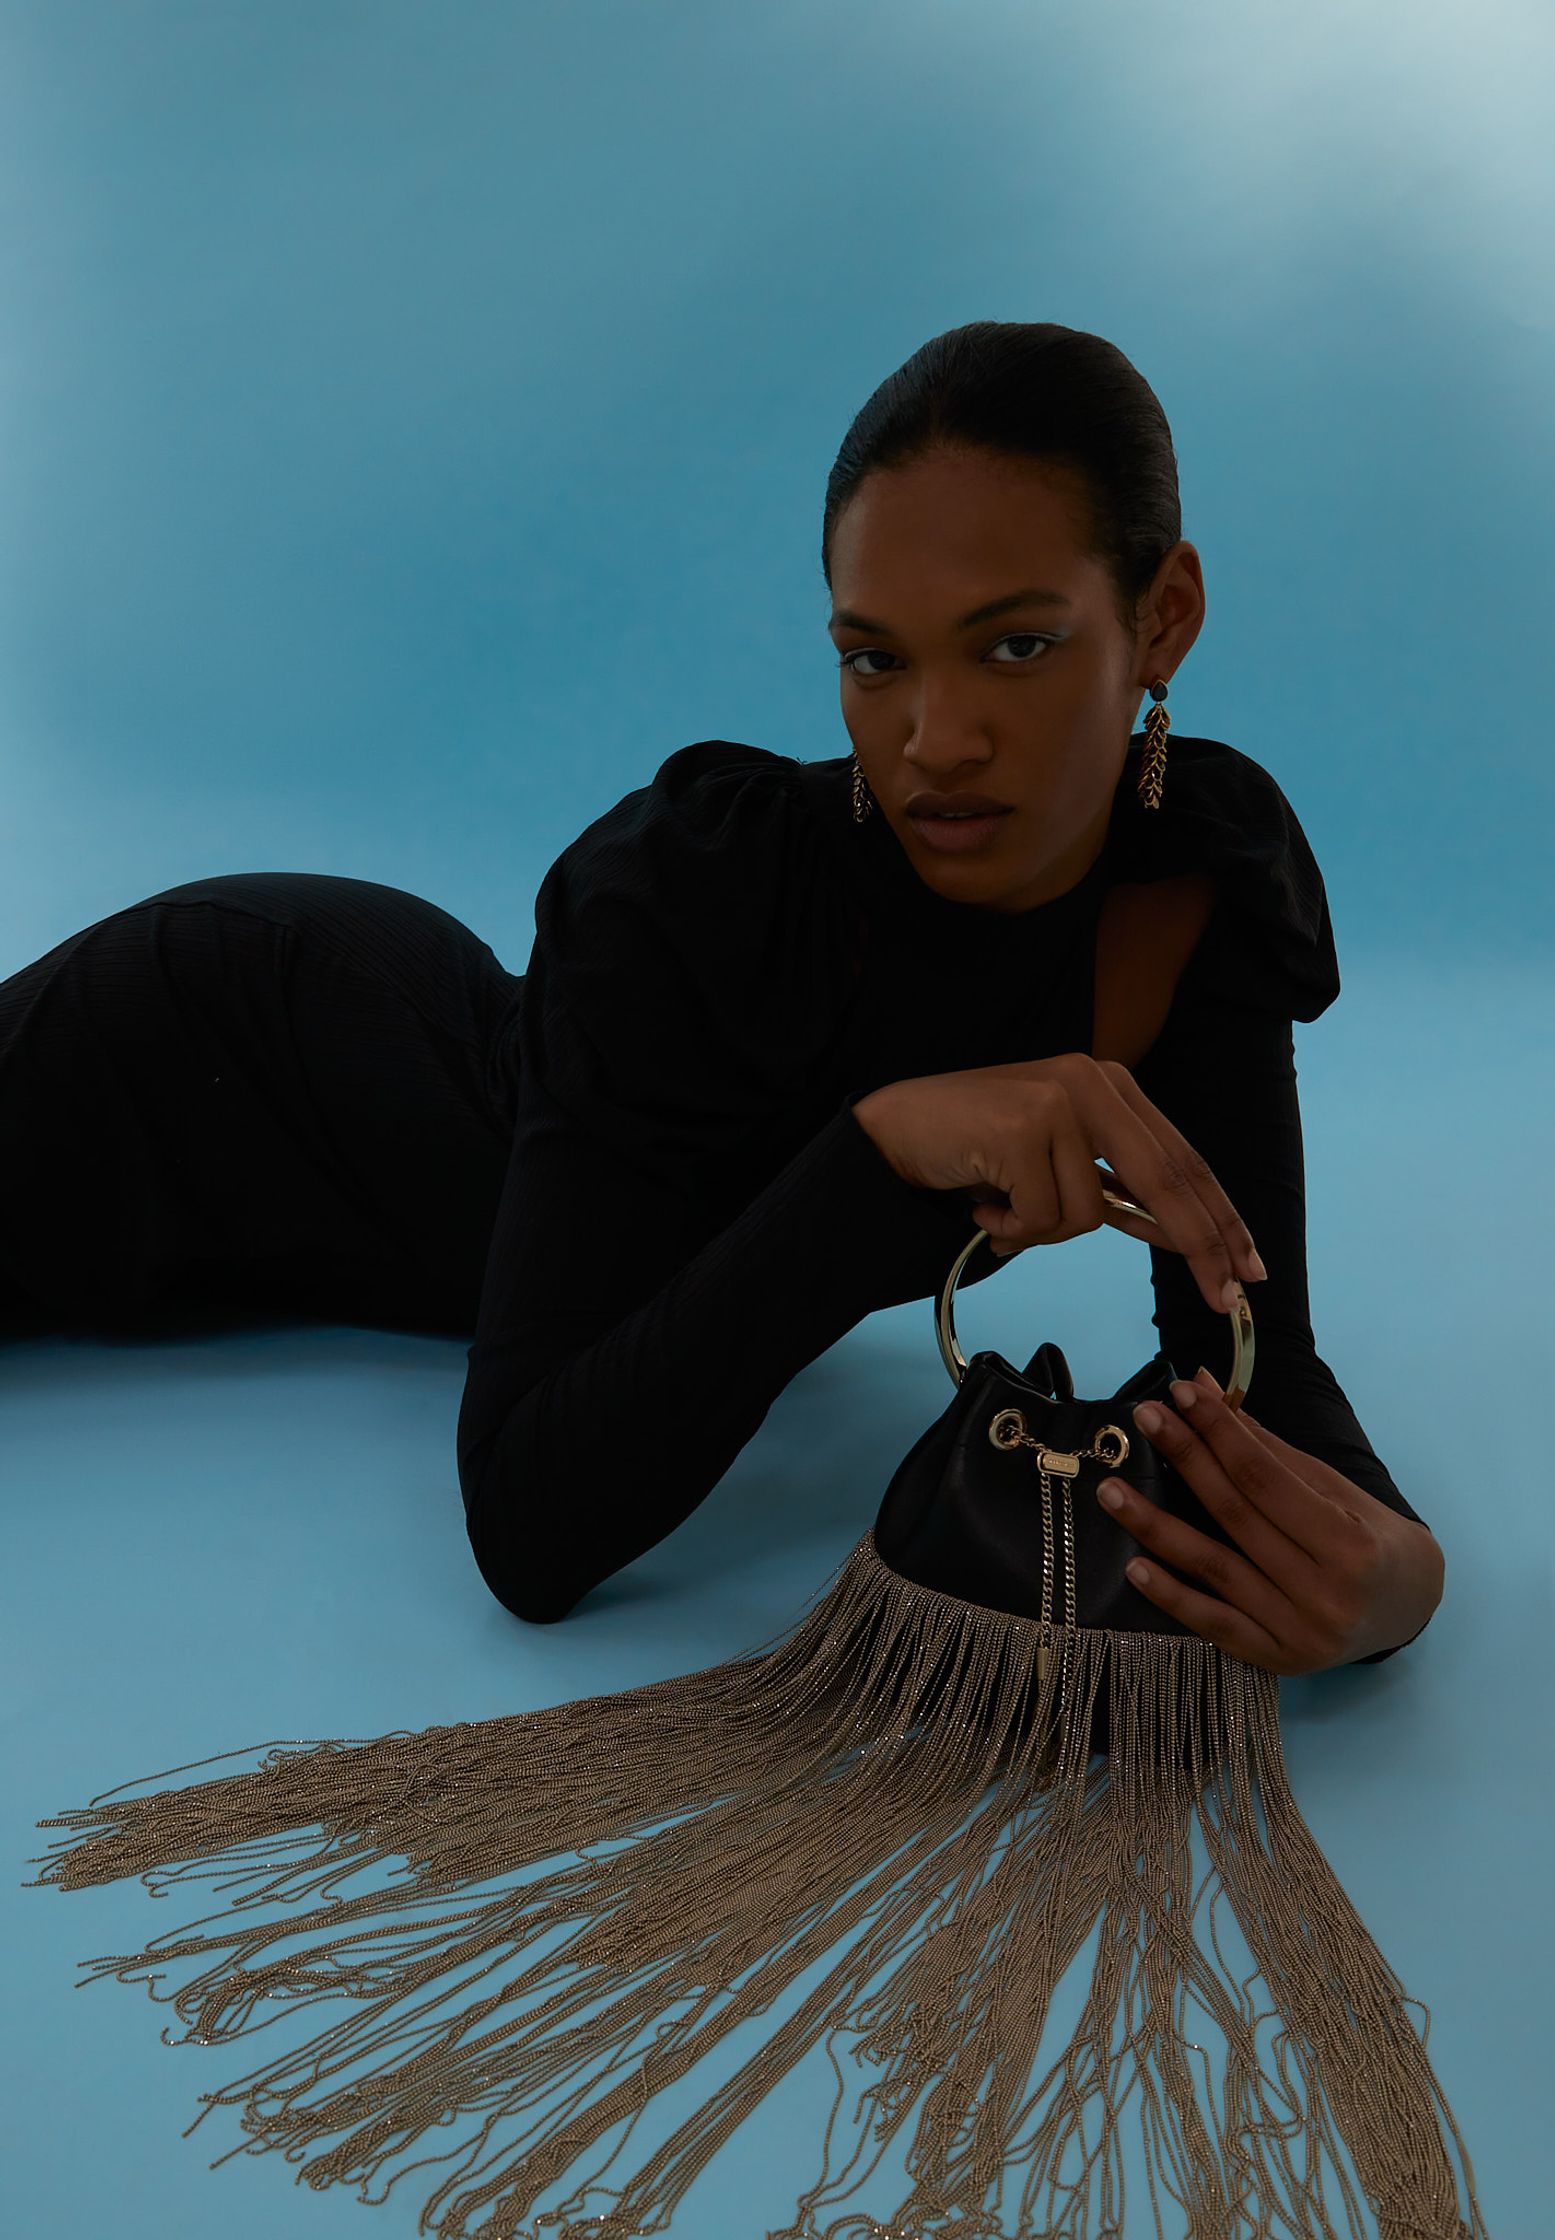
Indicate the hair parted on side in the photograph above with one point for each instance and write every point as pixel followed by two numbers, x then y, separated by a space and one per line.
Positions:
pixel 1032 390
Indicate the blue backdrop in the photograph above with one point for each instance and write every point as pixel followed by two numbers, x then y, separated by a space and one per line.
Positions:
pixel 415 425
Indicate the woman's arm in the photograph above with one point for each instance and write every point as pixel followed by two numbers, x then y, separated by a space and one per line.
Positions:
pixel 689 1216
pixel 1225 1074
pixel 622 1359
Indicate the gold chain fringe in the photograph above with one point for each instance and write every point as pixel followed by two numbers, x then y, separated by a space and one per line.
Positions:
pixel 887 1785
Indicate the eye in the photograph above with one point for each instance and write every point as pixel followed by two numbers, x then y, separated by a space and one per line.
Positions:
pixel 1014 637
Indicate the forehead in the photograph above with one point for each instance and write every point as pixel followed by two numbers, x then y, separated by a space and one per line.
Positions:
pixel 940 524
pixel 964 511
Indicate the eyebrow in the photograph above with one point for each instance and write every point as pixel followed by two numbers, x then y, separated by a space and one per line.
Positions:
pixel 847 618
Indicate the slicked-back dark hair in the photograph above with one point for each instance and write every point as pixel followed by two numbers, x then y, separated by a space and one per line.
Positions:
pixel 1055 394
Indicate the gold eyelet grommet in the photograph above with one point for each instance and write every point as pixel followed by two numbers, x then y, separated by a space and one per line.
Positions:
pixel 1007 1429
pixel 1111 1445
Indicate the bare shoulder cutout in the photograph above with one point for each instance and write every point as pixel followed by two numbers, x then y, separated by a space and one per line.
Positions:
pixel 1144 938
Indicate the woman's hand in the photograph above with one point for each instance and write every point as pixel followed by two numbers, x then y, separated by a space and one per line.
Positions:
pixel 1328 1573
pixel 1033 1131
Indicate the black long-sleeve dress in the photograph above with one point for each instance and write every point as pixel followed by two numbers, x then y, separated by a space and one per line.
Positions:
pixel 633 1171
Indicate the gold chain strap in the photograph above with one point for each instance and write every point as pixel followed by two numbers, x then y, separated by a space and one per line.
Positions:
pixel 1057 1469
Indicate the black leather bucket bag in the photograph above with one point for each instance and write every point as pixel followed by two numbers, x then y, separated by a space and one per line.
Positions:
pixel 996 1501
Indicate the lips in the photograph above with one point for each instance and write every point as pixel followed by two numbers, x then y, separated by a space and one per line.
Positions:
pixel 942 824
pixel 957 835
pixel 952 804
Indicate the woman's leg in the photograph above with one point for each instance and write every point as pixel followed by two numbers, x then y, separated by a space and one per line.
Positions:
pixel 266 1091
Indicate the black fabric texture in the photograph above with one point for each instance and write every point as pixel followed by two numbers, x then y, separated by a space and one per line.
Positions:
pixel 632 1173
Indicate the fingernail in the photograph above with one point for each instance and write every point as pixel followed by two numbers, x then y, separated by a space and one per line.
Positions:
pixel 1109 1495
pixel 1147 1416
pixel 1259 1270
pixel 1183 1393
pixel 1228 1296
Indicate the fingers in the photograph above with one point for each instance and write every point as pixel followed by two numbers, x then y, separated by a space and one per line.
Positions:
pixel 1252 1492
pixel 1227 1624
pixel 1079 1184
pixel 1079 1110
pixel 1241 1597
pixel 1057 1191
pixel 1321 1476
pixel 1164 1173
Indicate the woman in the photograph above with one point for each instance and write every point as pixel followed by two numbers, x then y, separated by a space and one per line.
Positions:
pixel 785 1031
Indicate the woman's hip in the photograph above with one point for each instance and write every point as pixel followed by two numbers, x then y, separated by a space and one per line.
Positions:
pixel 286 1073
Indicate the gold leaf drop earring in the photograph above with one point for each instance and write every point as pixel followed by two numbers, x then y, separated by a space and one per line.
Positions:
pixel 863 799
pixel 1152 767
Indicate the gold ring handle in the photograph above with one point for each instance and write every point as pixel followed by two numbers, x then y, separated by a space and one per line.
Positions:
pixel 1241 1314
